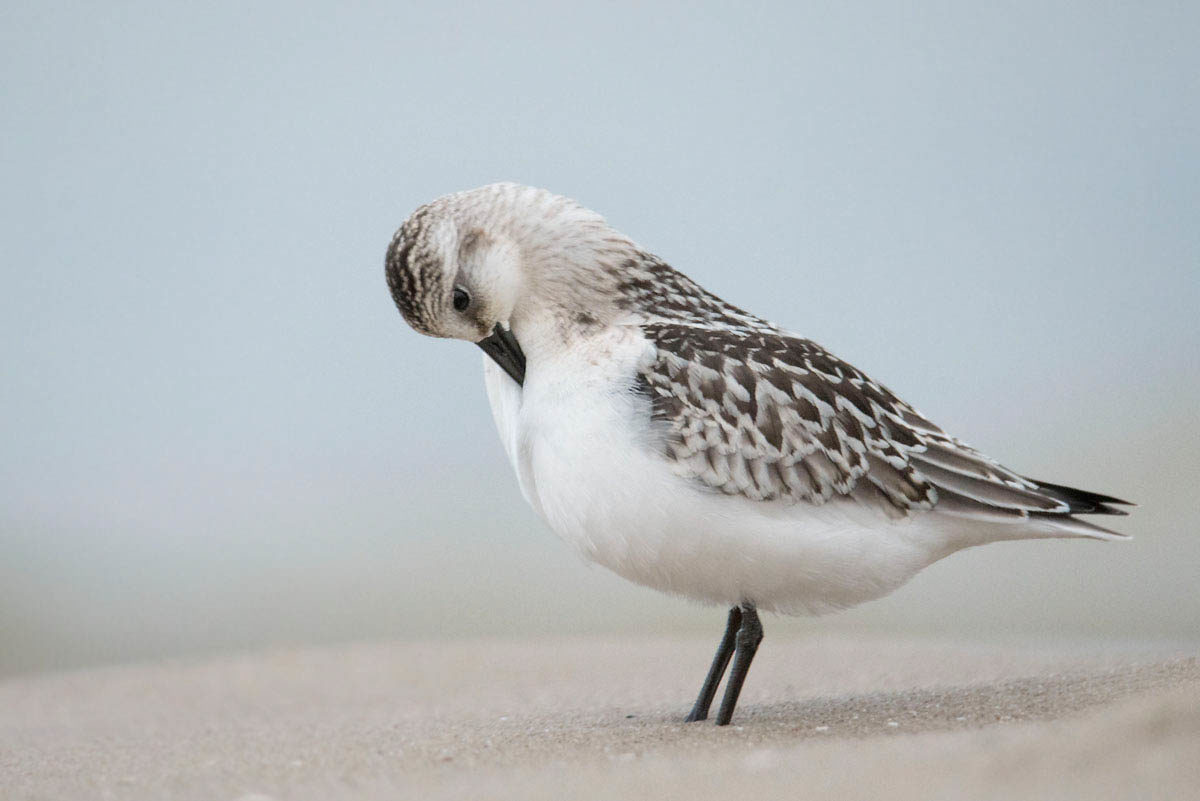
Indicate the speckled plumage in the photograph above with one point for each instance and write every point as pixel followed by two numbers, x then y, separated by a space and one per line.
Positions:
pixel 688 445
pixel 751 410
pixel 644 392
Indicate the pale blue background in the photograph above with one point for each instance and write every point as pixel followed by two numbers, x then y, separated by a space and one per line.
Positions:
pixel 218 433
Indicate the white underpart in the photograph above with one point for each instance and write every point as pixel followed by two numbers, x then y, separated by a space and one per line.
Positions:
pixel 583 451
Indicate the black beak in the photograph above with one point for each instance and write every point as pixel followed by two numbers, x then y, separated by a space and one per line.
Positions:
pixel 502 346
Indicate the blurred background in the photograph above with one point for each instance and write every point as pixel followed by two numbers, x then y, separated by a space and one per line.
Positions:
pixel 219 434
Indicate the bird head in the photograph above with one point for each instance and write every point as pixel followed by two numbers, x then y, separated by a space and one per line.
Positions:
pixel 472 265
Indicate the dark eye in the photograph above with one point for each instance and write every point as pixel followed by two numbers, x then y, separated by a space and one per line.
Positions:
pixel 461 299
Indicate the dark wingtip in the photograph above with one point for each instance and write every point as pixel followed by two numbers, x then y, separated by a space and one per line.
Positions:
pixel 1083 501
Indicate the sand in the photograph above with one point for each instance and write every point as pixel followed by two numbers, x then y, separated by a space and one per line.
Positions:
pixel 600 718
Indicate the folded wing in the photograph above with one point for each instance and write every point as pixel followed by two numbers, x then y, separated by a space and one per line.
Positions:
pixel 772 417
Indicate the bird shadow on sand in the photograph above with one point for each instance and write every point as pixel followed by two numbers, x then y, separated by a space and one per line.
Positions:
pixel 610 731
pixel 1043 697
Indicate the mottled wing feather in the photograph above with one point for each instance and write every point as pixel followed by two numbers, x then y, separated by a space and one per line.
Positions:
pixel 772 417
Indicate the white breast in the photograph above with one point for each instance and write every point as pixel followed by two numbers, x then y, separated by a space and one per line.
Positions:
pixel 581 443
pixel 504 395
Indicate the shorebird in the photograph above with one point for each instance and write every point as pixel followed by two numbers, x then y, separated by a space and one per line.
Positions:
pixel 688 445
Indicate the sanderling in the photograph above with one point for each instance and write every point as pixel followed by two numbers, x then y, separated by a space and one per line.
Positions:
pixel 688 445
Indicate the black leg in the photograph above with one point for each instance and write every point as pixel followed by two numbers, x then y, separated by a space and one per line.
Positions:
pixel 717 671
pixel 748 637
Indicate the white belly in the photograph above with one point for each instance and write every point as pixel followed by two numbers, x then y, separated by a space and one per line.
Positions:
pixel 584 457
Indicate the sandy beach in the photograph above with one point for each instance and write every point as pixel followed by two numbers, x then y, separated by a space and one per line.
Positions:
pixel 600 718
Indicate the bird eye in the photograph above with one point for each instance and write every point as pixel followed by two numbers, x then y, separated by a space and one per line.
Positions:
pixel 461 299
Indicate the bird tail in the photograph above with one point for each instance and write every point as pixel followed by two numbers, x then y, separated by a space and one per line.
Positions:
pixel 1009 523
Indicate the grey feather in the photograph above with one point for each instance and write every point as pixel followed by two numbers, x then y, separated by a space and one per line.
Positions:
pixel 747 409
